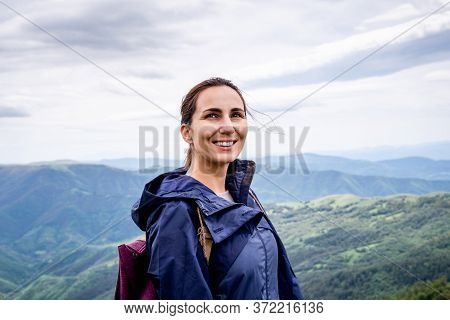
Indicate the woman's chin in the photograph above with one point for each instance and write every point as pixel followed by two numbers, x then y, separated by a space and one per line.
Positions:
pixel 227 158
pixel 219 160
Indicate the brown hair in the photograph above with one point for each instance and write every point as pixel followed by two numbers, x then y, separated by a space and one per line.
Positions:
pixel 189 101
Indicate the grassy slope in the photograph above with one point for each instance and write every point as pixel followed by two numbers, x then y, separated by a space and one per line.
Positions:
pixel 341 247
pixel 346 247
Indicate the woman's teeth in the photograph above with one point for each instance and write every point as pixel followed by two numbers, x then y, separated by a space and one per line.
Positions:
pixel 224 143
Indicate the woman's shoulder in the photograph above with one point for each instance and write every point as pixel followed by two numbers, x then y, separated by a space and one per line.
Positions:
pixel 178 204
pixel 174 208
pixel 174 215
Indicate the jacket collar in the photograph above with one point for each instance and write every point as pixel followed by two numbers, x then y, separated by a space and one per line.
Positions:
pixel 175 184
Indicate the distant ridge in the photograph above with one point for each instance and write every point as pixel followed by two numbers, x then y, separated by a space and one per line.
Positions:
pixel 47 163
pixel 409 167
pixel 439 150
pixel 367 179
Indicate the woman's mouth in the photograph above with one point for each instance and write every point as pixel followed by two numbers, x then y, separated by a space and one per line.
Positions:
pixel 225 144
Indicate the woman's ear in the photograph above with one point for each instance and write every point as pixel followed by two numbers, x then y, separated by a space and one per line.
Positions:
pixel 186 133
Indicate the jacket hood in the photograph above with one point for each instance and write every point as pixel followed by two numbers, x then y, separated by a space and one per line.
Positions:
pixel 175 185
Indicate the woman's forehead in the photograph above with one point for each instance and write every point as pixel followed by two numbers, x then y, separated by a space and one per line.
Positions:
pixel 220 97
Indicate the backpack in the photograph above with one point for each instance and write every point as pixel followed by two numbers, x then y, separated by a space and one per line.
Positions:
pixel 133 283
pixel 132 280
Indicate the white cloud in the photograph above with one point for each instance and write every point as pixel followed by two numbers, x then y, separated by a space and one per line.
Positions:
pixel 402 12
pixel 385 110
pixel 439 75
pixel 161 49
pixel 327 53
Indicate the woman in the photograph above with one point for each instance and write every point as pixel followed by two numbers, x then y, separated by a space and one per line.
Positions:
pixel 247 259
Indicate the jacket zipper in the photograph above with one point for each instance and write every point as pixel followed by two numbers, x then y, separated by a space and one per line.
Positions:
pixel 265 264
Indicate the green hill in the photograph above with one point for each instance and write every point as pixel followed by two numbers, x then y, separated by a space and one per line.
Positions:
pixel 428 290
pixel 347 247
pixel 341 247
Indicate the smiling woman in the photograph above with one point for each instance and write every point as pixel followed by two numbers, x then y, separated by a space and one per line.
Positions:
pixel 207 234
pixel 215 131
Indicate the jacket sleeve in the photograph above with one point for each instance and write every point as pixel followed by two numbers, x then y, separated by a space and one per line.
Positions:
pixel 176 261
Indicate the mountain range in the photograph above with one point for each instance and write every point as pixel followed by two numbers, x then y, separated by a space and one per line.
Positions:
pixel 410 167
pixel 61 223
pixel 437 150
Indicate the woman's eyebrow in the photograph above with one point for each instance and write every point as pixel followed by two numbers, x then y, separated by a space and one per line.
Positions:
pixel 220 110
pixel 212 109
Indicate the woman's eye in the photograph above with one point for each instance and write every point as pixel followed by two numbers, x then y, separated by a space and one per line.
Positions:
pixel 233 115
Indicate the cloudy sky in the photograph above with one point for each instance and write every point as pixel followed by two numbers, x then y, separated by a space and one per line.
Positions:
pixel 79 78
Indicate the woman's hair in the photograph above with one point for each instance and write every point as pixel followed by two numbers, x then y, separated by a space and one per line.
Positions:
pixel 188 104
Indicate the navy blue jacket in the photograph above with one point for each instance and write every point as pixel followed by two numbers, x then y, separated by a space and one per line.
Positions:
pixel 248 259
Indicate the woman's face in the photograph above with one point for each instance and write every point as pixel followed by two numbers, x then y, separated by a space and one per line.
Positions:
pixel 218 128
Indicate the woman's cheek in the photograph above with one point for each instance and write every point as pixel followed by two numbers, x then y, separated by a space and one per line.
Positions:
pixel 243 133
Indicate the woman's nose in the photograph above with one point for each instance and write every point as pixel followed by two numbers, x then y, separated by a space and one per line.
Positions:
pixel 226 125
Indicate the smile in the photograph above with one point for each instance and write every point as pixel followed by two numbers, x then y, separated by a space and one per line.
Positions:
pixel 227 143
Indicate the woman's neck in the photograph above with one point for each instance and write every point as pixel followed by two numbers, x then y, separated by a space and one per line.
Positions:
pixel 213 179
